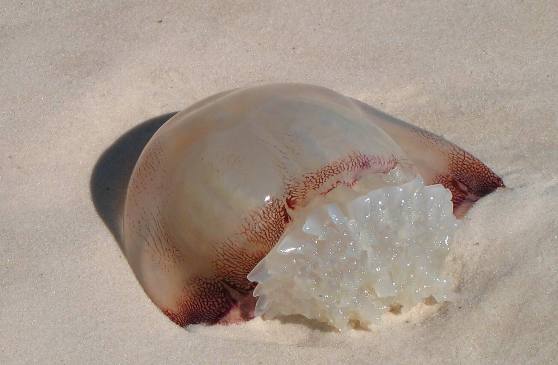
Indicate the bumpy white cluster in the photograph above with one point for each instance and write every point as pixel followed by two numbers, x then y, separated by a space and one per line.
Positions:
pixel 351 263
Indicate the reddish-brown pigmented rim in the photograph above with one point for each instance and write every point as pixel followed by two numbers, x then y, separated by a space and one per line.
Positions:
pixel 468 179
pixel 226 297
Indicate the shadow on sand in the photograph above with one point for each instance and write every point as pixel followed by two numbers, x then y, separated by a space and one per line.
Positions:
pixel 110 176
pixel 112 172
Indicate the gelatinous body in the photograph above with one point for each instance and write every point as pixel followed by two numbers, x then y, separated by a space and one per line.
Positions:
pixel 217 185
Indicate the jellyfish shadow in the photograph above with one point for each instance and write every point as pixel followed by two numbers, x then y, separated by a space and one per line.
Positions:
pixel 111 174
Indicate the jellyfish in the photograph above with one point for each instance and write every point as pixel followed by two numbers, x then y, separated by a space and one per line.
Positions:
pixel 229 192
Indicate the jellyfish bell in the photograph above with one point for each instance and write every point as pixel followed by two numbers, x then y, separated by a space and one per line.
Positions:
pixel 220 184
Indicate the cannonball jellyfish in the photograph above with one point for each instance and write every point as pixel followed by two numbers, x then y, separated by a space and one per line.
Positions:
pixel 333 209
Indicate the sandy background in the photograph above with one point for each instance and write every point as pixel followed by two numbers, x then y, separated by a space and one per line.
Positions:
pixel 84 84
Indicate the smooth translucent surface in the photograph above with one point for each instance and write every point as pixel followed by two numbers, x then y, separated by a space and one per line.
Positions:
pixel 352 262
pixel 210 174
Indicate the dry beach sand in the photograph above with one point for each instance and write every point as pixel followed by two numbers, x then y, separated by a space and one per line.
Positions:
pixel 84 84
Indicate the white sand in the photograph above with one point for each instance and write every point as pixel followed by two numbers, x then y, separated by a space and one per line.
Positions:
pixel 75 77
